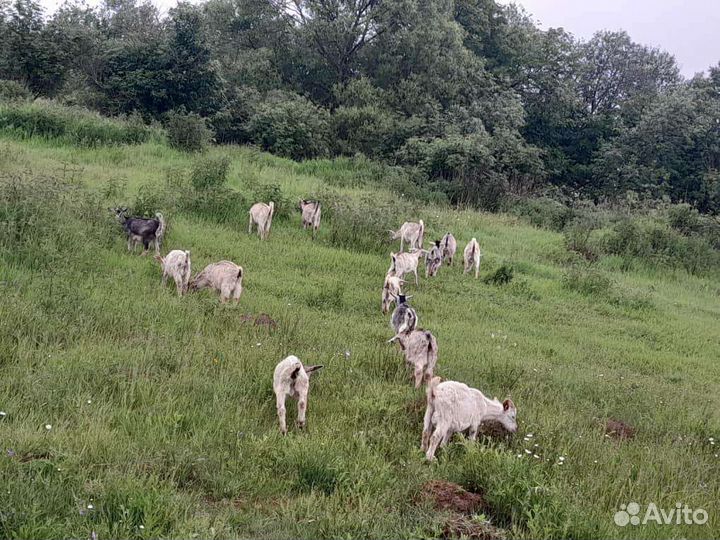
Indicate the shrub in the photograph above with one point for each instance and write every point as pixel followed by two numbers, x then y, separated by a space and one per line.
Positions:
pixel 187 131
pixel 289 125
pixel 501 276
pixel 72 124
pixel 577 237
pixel 13 91
pixel 363 224
pixel 209 172
pixel 542 212
pixel 588 281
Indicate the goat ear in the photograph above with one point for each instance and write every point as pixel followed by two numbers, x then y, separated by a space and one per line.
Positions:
pixel 312 369
pixel 508 405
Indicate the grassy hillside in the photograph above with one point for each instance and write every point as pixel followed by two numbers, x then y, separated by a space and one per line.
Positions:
pixel 161 413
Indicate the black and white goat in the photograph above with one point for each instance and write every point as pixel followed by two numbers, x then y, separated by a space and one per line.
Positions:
pixel 145 230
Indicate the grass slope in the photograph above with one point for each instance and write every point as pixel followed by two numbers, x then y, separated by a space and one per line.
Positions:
pixel 162 412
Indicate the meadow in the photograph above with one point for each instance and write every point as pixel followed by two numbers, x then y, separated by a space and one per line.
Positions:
pixel 132 413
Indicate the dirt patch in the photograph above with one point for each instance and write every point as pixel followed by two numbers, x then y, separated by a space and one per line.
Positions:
pixel 34 456
pixel 263 319
pixel 463 527
pixel 449 496
pixel 619 430
pixel 494 430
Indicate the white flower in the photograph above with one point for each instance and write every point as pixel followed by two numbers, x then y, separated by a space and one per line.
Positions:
pixel 258 344
pixel 48 427
pixel 711 439
pixel 142 526
pixel 528 451
pixel 89 401
pixel 90 507
pixel 529 435
pixel 536 456
pixel 562 458
pixel 3 414
pixel 595 461
pixel 519 455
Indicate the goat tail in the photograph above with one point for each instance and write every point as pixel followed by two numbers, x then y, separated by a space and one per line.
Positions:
pixel 472 252
pixel 422 233
pixel 272 209
pixel 447 239
pixel 240 273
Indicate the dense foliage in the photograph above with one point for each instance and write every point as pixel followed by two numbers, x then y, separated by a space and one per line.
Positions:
pixel 469 96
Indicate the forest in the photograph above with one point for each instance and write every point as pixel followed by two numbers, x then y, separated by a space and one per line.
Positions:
pixel 467 98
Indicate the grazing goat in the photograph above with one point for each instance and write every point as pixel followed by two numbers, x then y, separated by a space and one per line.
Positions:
pixel 261 214
pixel 224 276
pixel 410 232
pixel 449 247
pixel 472 256
pixel 404 319
pixel 292 379
pixel 420 349
pixel 453 407
pixel 310 215
pixel 176 264
pixel 433 260
pixel 404 263
pixel 391 290
pixel 145 230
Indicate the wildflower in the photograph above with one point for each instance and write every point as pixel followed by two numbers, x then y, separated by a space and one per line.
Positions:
pixel 3 414
pixel 711 439
pixel 528 451
pixel 89 401
pixel 536 456
pixel 142 526
pixel 90 507
pixel 48 426
pixel 492 335
pixel 562 458
pixel 258 344
pixel 519 455
pixel 529 435
pixel 347 355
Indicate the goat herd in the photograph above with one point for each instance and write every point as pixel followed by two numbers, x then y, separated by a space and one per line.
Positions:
pixel 452 407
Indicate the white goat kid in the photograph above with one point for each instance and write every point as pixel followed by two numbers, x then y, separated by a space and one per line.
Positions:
pixel 420 348
pixel 310 215
pixel 449 247
pixel 224 276
pixel 177 265
pixel 404 263
pixel 410 232
pixel 292 379
pixel 261 214
pixel 453 407
pixel 392 288
pixel 472 256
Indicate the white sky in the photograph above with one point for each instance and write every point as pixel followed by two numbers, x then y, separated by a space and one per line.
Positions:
pixel 689 29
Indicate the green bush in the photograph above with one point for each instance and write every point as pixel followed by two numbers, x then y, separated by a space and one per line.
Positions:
pixel 71 124
pixel 290 125
pixel 13 91
pixel 501 276
pixel 587 280
pixel 209 172
pixel 542 212
pixel 578 237
pixel 187 131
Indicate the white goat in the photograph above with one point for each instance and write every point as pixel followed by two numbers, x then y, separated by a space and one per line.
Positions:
pixel 404 263
pixel 449 247
pixel 310 215
pixel 176 264
pixel 410 232
pixel 472 256
pixel 391 290
pixel 224 276
pixel 420 349
pixel 261 214
pixel 292 379
pixel 453 407
pixel 433 260
pixel 404 319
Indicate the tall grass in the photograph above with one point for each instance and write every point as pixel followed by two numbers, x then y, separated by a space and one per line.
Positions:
pixel 72 125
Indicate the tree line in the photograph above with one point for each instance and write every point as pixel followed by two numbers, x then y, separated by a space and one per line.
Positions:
pixel 469 96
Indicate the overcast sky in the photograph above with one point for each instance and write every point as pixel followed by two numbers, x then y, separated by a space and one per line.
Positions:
pixel 689 29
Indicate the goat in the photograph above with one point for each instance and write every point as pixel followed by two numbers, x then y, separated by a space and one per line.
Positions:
pixel 449 247
pixel 453 407
pixel 310 215
pixel 261 214
pixel 224 276
pixel 391 290
pixel 472 256
pixel 145 230
pixel 410 232
pixel 176 264
pixel 292 379
pixel 404 319
pixel 420 349
pixel 433 260
pixel 404 263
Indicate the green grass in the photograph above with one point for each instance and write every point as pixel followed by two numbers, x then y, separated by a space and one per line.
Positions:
pixel 162 412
